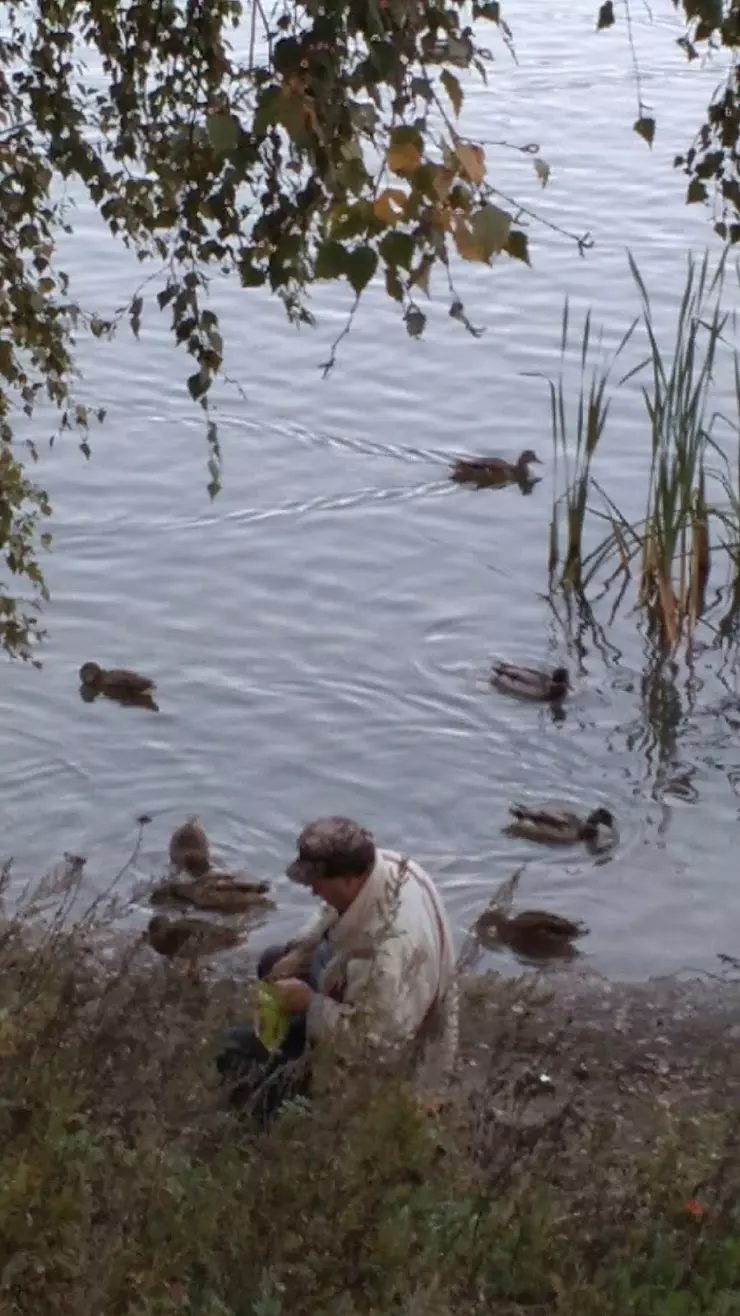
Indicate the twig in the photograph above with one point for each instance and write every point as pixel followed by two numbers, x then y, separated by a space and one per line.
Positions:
pixel 327 366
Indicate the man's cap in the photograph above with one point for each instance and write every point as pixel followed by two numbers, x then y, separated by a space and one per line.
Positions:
pixel 332 847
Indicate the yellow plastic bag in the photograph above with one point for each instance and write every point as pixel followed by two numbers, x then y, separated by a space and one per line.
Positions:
pixel 271 1023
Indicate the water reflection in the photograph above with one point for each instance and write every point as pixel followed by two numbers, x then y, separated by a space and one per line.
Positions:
pixel 322 628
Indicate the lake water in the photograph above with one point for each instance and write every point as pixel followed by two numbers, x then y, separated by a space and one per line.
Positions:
pixel 320 634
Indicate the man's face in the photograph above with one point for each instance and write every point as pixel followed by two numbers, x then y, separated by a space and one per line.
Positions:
pixel 339 892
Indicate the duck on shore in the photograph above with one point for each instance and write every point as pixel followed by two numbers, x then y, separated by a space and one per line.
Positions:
pixel 553 826
pixel 533 933
pixel 494 471
pixel 117 683
pixel 189 849
pixel 530 683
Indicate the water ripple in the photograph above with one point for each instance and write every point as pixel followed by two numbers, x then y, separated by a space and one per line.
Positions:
pixel 320 633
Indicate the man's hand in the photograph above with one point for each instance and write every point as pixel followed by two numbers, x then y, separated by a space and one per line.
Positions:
pixel 296 961
pixel 292 994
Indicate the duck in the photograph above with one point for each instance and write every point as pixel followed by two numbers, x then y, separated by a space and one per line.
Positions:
pixel 189 849
pixel 494 470
pixel 224 897
pixel 533 933
pixel 530 683
pixel 561 827
pixel 189 938
pixel 118 682
pixel 127 688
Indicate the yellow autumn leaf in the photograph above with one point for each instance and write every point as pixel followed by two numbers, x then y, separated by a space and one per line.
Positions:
pixel 473 160
pixel 389 206
pixel 466 241
pixel 403 157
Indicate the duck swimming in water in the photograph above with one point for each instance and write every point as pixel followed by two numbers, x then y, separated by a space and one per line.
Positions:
pixel 190 938
pixel 534 933
pixel 554 826
pixel 222 897
pixel 118 683
pixel 529 683
pixel 494 470
pixel 189 849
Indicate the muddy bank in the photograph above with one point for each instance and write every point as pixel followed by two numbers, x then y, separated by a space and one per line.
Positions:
pixel 576 1045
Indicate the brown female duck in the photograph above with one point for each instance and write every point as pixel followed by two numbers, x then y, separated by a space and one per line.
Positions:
pixel 494 470
pixel 534 933
pixel 114 681
pixel 218 896
pixel 117 683
pixel 190 938
pixel 189 849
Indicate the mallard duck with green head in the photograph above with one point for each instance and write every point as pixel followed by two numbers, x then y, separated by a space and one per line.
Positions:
pixel 553 826
pixel 530 683
pixel 494 470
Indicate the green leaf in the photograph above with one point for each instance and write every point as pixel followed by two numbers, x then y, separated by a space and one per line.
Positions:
pixel 491 11
pixel 696 191
pixel 453 89
pixel 250 276
pixel 364 117
pixel 415 321
pixel 166 295
pixel 223 132
pixel 397 248
pixel 645 128
pixel 331 260
pixel 606 16
pixel 360 266
pixel 518 246
pixel 135 314
pixel 491 227
pixel 198 384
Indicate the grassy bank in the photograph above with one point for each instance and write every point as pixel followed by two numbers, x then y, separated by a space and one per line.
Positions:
pixel 126 1187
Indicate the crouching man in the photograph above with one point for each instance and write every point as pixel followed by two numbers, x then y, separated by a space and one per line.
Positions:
pixel 379 956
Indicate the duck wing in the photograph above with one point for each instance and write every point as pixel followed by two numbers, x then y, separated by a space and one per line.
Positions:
pixel 173 891
pixel 230 883
pixel 547 924
pixel 521 680
pixel 547 819
pixel 123 678
pixel 225 899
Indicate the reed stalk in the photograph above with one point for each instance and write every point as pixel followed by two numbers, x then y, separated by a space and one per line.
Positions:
pixel 575 441
pixel 670 548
